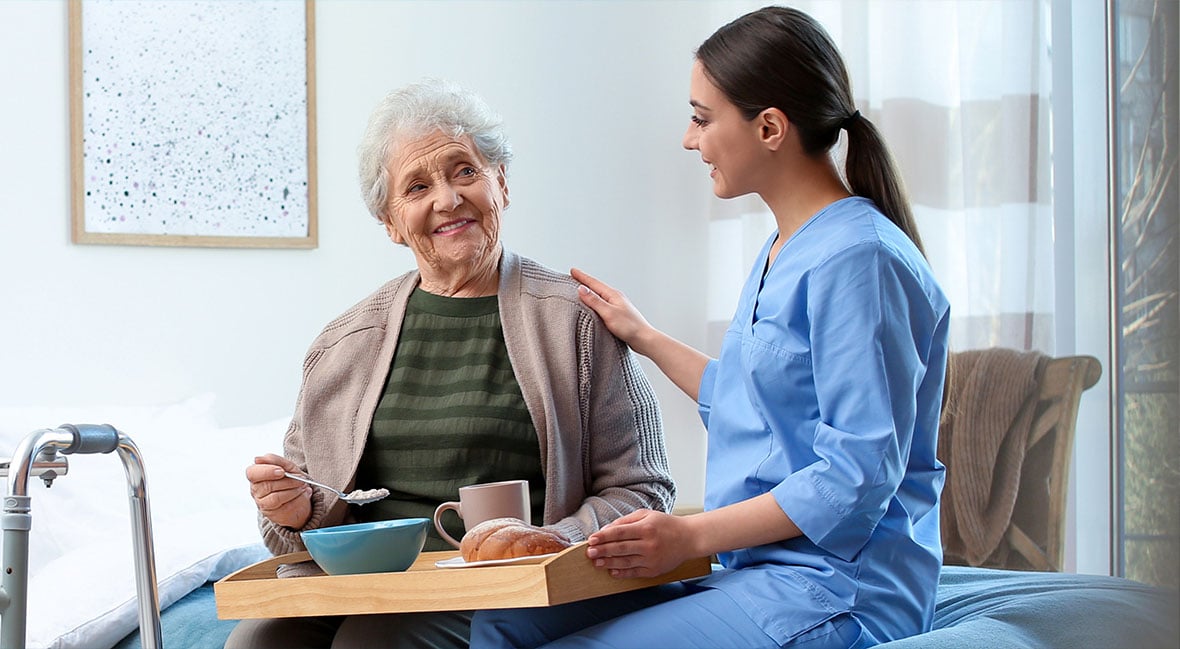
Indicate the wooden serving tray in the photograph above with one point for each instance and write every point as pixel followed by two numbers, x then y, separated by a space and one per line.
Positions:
pixel 256 592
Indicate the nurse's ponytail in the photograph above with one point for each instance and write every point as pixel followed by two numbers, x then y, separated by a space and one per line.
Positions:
pixel 872 173
pixel 782 58
pixel 778 57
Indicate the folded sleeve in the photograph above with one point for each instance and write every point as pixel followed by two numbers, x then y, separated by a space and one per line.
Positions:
pixel 705 391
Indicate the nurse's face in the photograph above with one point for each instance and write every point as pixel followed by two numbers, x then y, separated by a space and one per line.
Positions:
pixel 727 141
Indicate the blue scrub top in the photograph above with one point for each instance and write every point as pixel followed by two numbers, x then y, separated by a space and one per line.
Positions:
pixel 827 394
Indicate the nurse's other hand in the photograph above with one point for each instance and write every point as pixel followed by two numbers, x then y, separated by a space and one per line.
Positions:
pixel 282 500
pixel 644 543
pixel 616 311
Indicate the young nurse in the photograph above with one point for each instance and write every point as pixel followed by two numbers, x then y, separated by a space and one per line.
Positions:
pixel 822 486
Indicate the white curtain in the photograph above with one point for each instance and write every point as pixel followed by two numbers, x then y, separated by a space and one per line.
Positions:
pixel 961 91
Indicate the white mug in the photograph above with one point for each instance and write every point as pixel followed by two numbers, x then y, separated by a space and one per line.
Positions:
pixel 481 502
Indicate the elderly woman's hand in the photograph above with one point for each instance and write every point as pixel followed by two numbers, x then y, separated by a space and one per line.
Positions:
pixel 283 500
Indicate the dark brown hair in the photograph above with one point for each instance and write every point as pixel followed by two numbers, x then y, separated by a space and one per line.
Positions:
pixel 782 58
pixel 778 57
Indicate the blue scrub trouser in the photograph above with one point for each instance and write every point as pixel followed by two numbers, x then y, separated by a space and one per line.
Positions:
pixel 672 616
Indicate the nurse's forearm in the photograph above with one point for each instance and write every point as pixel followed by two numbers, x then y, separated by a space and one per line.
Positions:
pixel 747 524
pixel 682 364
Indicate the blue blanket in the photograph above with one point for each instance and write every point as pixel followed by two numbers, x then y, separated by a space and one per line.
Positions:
pixel 977 608
pixel 1001 609
pixel 190 623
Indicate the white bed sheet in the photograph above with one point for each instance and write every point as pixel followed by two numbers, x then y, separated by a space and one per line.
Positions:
pixel 81 565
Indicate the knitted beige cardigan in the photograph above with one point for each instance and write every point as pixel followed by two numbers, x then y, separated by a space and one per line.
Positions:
pixel 597 418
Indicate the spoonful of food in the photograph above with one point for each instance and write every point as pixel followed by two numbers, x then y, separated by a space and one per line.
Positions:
pixel 358 497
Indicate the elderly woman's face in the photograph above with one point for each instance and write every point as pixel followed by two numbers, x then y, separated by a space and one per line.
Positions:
pixel 445 202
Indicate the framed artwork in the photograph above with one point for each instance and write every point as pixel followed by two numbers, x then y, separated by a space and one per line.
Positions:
pixel 193 123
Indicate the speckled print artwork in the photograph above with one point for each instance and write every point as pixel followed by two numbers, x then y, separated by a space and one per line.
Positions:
pixel 195 118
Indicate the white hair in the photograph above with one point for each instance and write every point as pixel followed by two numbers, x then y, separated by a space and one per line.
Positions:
pixel 416 110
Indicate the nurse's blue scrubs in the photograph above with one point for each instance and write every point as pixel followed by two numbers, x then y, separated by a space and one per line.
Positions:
pixel 827 394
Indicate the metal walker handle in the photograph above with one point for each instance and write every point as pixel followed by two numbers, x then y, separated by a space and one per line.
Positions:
pixel 34 456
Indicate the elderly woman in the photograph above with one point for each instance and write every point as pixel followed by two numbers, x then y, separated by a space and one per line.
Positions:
pixel 478 366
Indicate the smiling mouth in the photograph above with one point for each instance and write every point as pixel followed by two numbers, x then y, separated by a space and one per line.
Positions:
pixel 451 227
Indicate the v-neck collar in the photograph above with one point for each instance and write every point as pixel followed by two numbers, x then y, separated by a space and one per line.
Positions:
pixel 764 256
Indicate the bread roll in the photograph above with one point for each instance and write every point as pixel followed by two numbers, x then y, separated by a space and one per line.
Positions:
pixel 469 545
pixel 509 538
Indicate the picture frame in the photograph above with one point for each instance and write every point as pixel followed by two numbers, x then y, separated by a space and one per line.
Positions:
pixel 193 123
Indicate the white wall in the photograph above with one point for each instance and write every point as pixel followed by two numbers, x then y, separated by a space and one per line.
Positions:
pixel 595 100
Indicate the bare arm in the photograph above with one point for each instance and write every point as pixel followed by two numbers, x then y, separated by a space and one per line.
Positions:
pixel 682 364
pixel 647 543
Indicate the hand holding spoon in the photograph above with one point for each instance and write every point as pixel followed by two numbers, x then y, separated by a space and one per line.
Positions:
pixel 358 497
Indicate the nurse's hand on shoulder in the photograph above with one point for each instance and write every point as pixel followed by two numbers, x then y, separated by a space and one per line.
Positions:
pixel 644 543
pixel 616 311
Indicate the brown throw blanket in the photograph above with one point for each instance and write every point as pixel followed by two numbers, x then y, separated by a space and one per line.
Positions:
pixel 982 440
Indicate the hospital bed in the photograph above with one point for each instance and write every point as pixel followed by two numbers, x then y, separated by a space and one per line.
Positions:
pixel 82 592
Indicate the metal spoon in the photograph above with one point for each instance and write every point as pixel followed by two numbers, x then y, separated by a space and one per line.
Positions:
pixel 358 497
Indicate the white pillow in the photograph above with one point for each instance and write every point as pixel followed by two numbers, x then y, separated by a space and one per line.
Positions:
pixel 95 486
pixel 82 592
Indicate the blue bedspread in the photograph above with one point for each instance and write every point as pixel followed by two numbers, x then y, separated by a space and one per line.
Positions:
pixel 190 623
pixel 977 608
pixel 1001 609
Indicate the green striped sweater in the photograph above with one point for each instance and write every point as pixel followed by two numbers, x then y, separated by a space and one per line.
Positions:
pixel 452 414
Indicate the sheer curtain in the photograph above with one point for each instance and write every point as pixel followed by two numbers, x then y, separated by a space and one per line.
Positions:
pixel 960 89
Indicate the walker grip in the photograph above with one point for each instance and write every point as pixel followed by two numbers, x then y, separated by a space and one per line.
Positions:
pixel 91 438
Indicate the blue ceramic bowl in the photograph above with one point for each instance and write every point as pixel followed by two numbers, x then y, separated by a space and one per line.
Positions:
pixel 381 546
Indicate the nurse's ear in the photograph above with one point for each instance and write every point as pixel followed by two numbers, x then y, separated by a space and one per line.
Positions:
pixel 773 126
